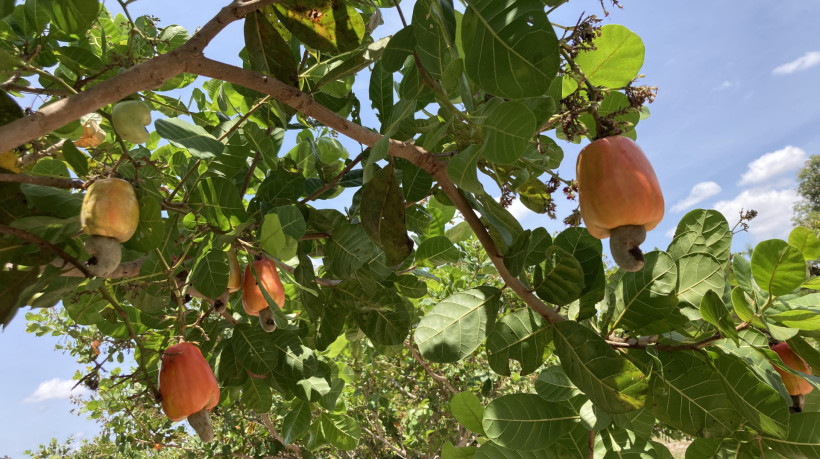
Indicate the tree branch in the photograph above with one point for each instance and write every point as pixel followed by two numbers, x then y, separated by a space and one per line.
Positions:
pixel 44 244
pixel 54 182
pixel 276 435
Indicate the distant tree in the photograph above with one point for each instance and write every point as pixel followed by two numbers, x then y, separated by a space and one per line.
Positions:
pixel 807 210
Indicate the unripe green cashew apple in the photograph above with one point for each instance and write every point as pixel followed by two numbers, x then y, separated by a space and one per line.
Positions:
pixel 130 118
pixel 619 196
pixel 188 388
pixel 109 215
pixel 254 301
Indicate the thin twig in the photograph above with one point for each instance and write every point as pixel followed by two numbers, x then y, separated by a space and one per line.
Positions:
pixel 335 180
pixel 54 182
pixel 44 244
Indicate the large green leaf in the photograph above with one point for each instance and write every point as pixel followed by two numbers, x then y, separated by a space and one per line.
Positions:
pixel 526 421
pixel 462 169
pixel 467 409
pixel 218 200
pixel 340 430
pixel 554 385
pixel 521 335
pixel 613 383
pixel 688 395
pixel 74 17
pixel 803 440
pixel 195 139
pixel 778 267
pixel 647 295
pixel 560 278
pixel 296 422
pixel 760 404
pixel 702 230
pixel 210 275
pixel 508 129
pixel 382 213
pixel 12 284
pixel 348 250
pixel 587 250
pixel 382 315
pixel 697 274
pixel 257 395
pixel 434 27
pixel 437 251
pixel 510 47
pixel 255 349
pixel 281 231
pixel 151 228
pixel 456 326
pixel 616 58
pixel 324 25
pixel 714 311
pixel 805 240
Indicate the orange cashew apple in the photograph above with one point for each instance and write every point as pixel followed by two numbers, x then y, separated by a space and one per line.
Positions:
pixel 109 215
pixel 619 196
pixel 797 386
pixel 253 300
pixel 188 388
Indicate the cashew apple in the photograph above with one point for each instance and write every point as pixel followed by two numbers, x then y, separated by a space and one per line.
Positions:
pixel 109 215
pixel 619 196
pixel 188 388
pixel 130 118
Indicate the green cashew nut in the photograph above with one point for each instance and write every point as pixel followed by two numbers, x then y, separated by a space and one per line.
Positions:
pixel 130 118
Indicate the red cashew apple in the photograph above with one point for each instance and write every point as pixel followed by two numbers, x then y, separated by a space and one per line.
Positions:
pixel 794 384
pixel 188 388
pixel 619 196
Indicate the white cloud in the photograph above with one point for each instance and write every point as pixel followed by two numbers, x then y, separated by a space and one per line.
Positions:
pixel 670 233
pixel 806 61
pixel 725 85
pixel 773 164
pixel 774 211
pixel 54 389
pixel 519 210
pixel 699 192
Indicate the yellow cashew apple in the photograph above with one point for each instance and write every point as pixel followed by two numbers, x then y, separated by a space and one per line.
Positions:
pixel 109 215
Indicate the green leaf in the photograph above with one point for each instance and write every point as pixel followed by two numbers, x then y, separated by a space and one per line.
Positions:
pixel 805 241
pixel 210 275
pixel 702 230
pixel 75 158
pixel 324 25
pixel 12 284
pixel 508 129
pixel 255 349
pixel 340 430
pixel 742 270
pixel 382 214
pixel 803 439
pixel 616 59
pixel 760 404
pixel 801 319
pixel 296 422
pixel 714 311
pixel 434 29
pixel 382 315
pixel 560 278
pixel 521 335
pixel 462 169
pixel 648 295
pixel 402 44
pixel 613 383
pixel 415 182
pixel 490 450
pixel 281 231
pixel 53 201
pixel 553 385
pixel 688 395
pixel 227 369
pixel 510 47
pixel 256 395
pixel 778 267
pixel 467 409
pixel 74 17
pixel 456 326
pixel 218 200
pixel 195 139
pixel 151 228
pixel 526 421
pixel 697 274
pixel 348 250
pixel 450 451
pixel 535 196
pixel 807 352
pixel 437 251
pixel 741 306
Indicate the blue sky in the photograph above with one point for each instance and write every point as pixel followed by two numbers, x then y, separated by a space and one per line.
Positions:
pixel 737 113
